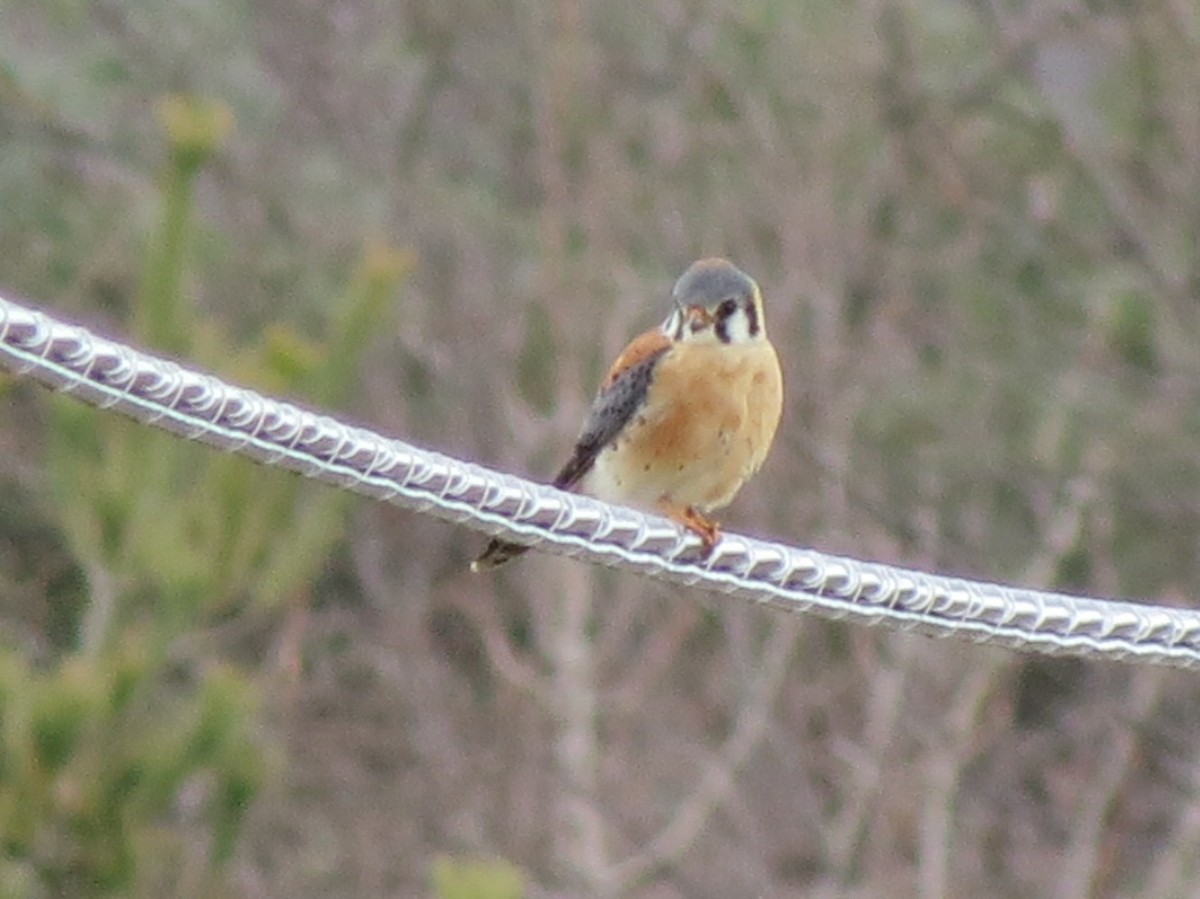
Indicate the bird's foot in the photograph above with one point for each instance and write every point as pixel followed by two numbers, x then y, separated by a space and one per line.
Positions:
pixel 700 524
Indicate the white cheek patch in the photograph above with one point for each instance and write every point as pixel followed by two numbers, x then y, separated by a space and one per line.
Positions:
pixel 673 326
pixel 737 326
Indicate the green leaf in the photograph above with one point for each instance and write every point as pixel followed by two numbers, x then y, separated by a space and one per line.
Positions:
pixel 482 878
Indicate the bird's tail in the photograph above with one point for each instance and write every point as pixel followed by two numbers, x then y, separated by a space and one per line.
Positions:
pixel 497 553
pixel 500 551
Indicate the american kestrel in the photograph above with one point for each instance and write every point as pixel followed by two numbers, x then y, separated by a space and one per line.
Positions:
pixel 686 414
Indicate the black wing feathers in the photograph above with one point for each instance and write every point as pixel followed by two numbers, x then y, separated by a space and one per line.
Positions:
pixel 612 409
pixel 614 406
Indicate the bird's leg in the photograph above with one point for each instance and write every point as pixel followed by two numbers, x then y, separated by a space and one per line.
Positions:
pixel 698 523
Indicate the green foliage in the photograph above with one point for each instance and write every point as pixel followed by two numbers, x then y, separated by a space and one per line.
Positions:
pixel 1131 331
pixel 119 758
pixel 194 532
pixel 100 755
pixel 486 878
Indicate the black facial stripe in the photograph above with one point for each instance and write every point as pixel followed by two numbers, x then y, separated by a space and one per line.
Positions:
pixel 752 319
pixel 723 329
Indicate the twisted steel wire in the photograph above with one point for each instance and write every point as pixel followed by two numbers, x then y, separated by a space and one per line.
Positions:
pixel 200 407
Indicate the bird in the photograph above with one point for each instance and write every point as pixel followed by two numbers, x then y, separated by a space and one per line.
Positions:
pixel 686 414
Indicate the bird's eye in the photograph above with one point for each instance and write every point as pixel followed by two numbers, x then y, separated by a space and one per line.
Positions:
pixel 727 308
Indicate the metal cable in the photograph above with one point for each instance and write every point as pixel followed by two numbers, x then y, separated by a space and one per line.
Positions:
pixel 200 407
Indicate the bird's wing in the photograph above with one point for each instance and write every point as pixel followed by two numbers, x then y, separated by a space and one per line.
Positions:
pixel 622 392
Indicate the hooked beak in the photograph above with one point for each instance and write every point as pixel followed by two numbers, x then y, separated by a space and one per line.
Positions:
pixel 697 317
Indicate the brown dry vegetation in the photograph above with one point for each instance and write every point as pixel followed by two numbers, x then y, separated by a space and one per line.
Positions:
pixel 975 223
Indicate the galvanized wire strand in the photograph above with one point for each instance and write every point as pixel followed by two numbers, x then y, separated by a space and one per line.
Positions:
pixel 200 407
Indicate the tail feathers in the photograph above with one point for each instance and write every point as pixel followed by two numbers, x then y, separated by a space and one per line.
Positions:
pixel 500 551
pixel 497 553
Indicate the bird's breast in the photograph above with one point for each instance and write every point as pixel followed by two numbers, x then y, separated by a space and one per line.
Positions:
pixel 708 419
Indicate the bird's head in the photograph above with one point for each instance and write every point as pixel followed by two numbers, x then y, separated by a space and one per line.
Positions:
pixel 717 302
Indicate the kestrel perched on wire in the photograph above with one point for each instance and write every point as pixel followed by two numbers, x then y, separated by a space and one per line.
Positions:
pixel 686 414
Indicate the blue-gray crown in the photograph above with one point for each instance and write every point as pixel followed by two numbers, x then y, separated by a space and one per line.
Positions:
pixel 709 281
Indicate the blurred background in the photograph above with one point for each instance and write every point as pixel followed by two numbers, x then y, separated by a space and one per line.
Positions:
pixel 975 224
